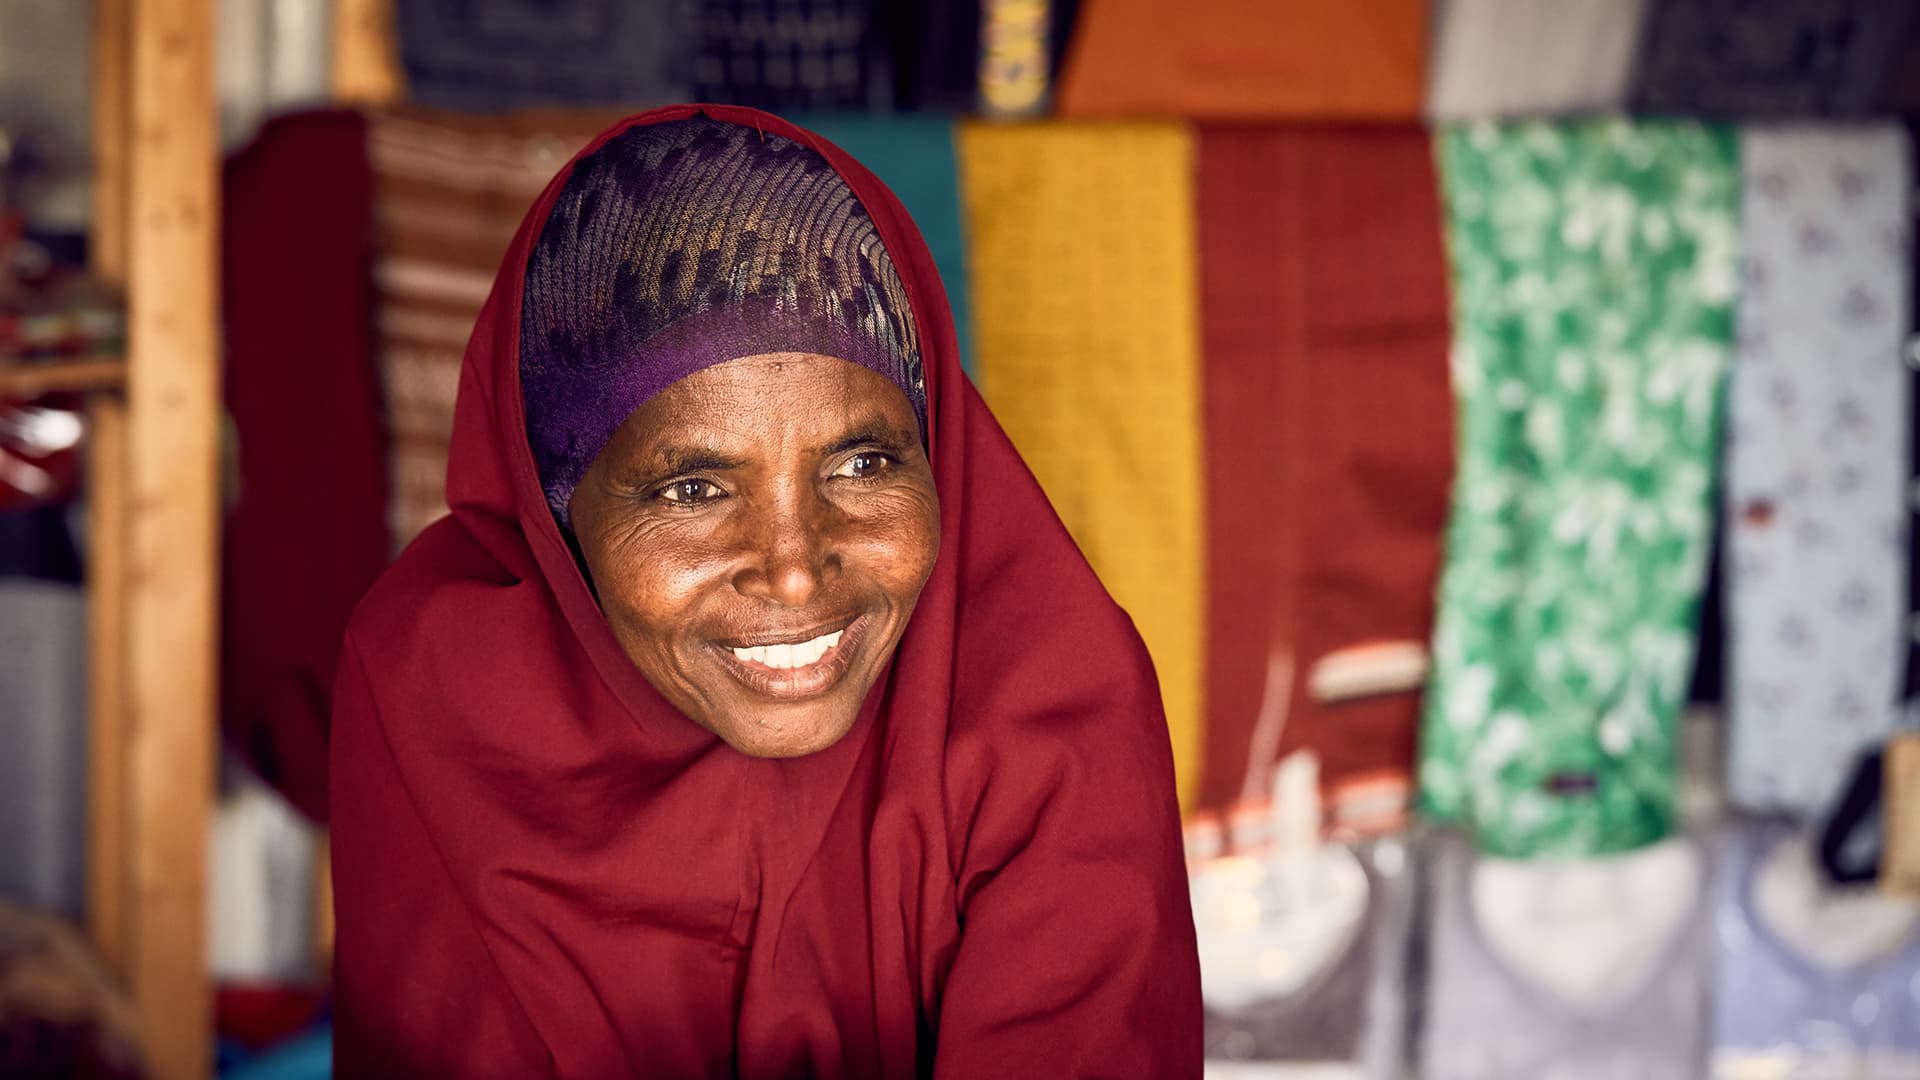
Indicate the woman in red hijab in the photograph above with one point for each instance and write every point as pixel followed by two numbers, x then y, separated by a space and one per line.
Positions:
pixel 752 714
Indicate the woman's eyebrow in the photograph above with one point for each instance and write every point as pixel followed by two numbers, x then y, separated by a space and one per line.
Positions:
pixel 872 432
pixel 691 459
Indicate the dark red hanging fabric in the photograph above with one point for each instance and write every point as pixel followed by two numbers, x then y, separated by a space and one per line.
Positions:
pixel 541 868
pixel 307 530
pixel 1329 428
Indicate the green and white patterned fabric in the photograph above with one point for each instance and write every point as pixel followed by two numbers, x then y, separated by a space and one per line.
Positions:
pixel 1594 272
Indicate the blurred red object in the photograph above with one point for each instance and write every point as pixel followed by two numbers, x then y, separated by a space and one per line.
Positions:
pixel 40 443
pixel 258 1015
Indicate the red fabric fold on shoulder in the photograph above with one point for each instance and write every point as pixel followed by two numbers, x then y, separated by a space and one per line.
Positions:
pixel 984 875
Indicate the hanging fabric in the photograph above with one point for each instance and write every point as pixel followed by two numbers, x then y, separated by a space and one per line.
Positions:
pixel 1593 269
pixel 790 54
pixel 914 155
pixel 994 57
pixel 1531 57
pixel 1767 58
pixel 1817 431
pixel 1083 291
pixel 1329 447
pixel 306 531
pixel 511 54
pixel 448 194
pixel 1247 59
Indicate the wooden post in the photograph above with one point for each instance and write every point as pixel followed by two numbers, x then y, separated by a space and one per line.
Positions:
pixel 172 522
pixel 365 54
pixel 107 514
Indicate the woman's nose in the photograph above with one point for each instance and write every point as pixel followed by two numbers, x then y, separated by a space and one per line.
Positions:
pixel 792 552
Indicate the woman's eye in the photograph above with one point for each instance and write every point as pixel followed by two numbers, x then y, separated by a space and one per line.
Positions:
pixel 864 464
pixel 689 491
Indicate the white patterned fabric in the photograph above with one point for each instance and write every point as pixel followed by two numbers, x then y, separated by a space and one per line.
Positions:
pixel 1531 57
pixel 1818 423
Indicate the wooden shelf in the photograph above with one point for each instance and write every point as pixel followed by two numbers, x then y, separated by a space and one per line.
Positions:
pixel 62 376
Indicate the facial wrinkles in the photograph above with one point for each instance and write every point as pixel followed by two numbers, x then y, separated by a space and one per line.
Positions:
pixel 786 549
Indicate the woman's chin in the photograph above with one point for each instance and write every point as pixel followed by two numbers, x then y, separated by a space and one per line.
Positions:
pixel 785 732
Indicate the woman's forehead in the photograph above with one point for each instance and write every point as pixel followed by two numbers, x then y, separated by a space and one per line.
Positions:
pixel 788 397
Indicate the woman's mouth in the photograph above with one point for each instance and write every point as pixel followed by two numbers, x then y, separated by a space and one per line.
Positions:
pixel 785 657
pixel 794 669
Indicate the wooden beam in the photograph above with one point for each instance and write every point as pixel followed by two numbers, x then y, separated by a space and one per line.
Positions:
pixel 365 54
pixel 107 515
pixel 172 523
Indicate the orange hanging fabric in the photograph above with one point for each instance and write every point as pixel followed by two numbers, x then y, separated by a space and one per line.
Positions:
pixel 1247 59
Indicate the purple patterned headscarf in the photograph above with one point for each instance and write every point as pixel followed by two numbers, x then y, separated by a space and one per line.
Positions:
pixel 682 245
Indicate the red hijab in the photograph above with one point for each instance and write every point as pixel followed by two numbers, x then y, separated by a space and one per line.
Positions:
pixel 542 868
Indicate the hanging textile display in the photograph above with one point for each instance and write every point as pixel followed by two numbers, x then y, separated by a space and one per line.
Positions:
pixel 1532 57
pixel 1082 284
pixel 1593 269
pixel 1247 59
pixel 1329 446
pixel 448 195
pixel 1767 58
pixel 1810 980
pixel 1817 432
pixel 992 57
pixel 915 157
pixel 306 531
pixel 789 54
pixel 519 53
pixel 1591 969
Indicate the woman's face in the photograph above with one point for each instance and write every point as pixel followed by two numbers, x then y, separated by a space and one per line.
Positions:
pixel 758 534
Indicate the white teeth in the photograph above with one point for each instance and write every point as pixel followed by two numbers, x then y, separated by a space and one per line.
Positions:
pixel 786 657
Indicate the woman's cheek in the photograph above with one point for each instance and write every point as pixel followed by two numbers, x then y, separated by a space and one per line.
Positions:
pixel 911 540
pixel 662 573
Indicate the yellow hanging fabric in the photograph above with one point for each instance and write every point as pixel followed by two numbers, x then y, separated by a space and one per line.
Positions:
pixel 1084 303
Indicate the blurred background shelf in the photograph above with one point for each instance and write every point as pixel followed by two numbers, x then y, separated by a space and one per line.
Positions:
pixel 85 374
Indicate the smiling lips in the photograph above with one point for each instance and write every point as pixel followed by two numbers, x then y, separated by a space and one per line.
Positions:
pixel 792 669
pixel 786 657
